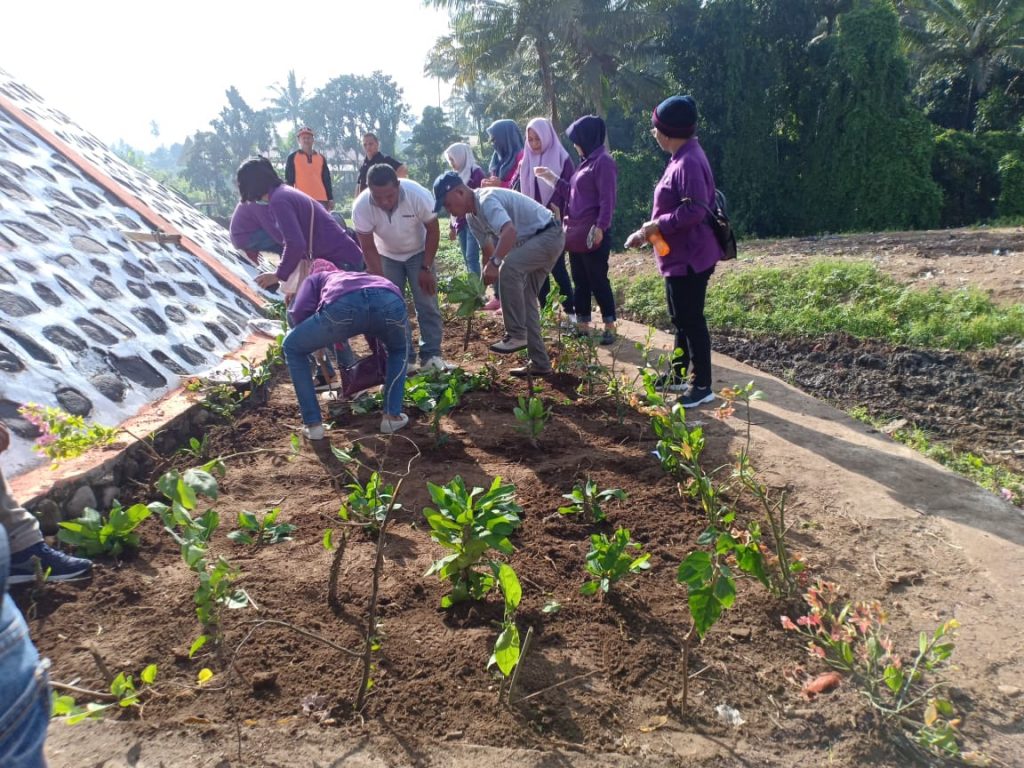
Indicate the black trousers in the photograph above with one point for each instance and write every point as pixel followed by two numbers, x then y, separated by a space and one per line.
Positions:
pixel 590 274
pixel 686 295
pixel 561 275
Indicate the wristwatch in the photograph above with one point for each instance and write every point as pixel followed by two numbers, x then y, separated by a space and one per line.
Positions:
pixel 425 267
pixel 496 261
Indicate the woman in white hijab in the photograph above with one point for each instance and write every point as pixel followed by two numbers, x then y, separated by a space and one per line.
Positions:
pixel 460 158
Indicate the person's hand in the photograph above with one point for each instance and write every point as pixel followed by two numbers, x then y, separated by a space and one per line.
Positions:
pixel 428 283
pixel 546 174
pixel 635 240
pixel 555 210
pixel 598 236
pixel 490 274
pixel 452 234
pixel 5 438
pixel 267 279
pixel 490 181
pixel 649 228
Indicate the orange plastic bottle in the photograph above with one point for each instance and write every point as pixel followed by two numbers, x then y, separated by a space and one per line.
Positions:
pixel 659 244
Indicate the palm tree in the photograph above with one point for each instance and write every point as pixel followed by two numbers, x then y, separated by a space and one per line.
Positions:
pixel 549 54
pixel 972 38
pixel 289 101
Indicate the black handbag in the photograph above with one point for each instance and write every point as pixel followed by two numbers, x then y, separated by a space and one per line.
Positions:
pixel 720 225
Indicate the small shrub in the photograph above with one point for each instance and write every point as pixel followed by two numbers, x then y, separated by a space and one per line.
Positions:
pixel 609 560
pixel 93 534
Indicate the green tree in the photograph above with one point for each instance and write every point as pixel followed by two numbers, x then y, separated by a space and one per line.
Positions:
pixel 350 105
pixel 289 101
pixel 430 137
pixel 969 41
pixel 867 161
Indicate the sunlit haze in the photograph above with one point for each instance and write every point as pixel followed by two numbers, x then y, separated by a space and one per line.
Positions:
pixel 115 67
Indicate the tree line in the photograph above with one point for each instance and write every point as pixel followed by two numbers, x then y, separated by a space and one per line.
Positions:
pixel 817 115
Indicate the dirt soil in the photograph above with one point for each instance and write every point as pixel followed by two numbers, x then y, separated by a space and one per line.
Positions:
pixel 600 685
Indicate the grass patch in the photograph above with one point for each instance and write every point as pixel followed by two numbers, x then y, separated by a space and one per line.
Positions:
pixel 1000 481
pixel 830 297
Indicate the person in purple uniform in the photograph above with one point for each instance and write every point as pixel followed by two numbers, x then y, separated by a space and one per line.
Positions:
pixel 544 150
pixel 295 215
pixel 333 306
pixel 693 250
pixel 253 229
pixel 591 202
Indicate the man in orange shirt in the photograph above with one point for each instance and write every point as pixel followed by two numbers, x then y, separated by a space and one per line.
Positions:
pixel 307 171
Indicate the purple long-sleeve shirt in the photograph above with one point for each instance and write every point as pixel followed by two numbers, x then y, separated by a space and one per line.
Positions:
pixel 250 218
pixel 591 191
pixel 684 226
pixel 561 192
pixel 322 288
pixel 291 210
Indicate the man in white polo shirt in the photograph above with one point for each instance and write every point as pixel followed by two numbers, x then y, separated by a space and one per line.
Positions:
pixel 399 234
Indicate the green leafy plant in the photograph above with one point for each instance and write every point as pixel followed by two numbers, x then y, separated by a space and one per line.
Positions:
pixel 587 499
pixel 64 435
pixel 261 529
pixel 123 691
pixel 532 417
pixel 610 560
pixel 93 534
pixel 192 532
pixel 196 448
pixel 507 647
pixel 367 504
pixel 849 636
pixel 469 524
pixel 224 400
pixel 467 292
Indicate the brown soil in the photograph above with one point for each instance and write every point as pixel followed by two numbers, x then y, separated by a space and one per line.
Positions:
pixel 603 677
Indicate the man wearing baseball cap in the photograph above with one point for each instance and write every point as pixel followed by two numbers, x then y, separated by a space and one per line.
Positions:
pixel 520 239
pixel 306 170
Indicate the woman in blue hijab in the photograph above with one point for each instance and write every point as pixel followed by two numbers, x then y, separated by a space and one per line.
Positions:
pixel 508 153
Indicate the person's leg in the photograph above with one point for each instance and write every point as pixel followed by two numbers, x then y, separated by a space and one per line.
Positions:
pixel 675 297
pixel 387 321
pixel 533 259
pixel 582 292
pixel 395 272
pixel 470 255
pixel 316 332
pixel 542 294
pixel 596 264
pixel 24 695
pixel 561 275
pixel 428 312
pixel 21 525
pixel 687 295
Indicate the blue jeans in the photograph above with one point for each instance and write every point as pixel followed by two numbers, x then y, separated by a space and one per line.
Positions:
pixel 470 250
pixel 372 311
pixel 25 692
pixel 428 313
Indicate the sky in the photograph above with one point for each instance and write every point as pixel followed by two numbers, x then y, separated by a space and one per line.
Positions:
pixel 116 66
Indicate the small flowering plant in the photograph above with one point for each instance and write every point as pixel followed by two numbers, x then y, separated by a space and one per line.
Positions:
pixel 850 637
pixel 64 435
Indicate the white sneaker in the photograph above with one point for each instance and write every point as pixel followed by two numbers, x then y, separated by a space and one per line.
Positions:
pixel 437 363
pixel 314 432
pixel 389 425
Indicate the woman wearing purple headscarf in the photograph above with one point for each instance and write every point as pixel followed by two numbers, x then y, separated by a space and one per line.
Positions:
pixel 544 150
pixel 588 216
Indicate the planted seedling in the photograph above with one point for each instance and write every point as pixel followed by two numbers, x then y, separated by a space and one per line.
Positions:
pixel 468 524
pixel 466 291
pixel 123 693
pixel 587 499
pixel 610 560
pixel 93 534
pixel 366 505
pixel 261 529
pixel 507 647
pixel 532 417
pixel 196 449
